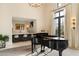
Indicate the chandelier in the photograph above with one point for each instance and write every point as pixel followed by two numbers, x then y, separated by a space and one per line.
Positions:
pixel 34 4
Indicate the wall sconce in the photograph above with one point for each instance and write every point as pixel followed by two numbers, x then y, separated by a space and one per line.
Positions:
pixel 27 26
pixel 73 23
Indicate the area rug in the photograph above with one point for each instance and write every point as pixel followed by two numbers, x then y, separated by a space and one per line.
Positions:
pixel 26 51
pixel 18 51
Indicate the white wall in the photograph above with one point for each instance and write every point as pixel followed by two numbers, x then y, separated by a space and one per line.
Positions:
pixel 24 10
pixel 48 16
pixel 72 34
pixel 6 22
pixel 7 11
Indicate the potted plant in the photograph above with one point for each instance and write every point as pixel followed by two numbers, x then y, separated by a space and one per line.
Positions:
pixel 3 40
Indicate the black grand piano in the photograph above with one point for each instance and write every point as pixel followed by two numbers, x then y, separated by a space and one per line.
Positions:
pixel 50 41
pixel 55 43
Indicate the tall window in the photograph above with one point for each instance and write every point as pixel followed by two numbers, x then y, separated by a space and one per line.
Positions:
pixel 59 21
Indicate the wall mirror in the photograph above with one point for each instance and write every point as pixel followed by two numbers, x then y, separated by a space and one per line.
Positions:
pixel 23 25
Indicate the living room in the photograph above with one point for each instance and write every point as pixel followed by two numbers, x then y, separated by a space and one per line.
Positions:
pixel 43 14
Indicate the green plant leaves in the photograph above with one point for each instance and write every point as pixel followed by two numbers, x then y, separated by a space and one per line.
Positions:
pixel 4 38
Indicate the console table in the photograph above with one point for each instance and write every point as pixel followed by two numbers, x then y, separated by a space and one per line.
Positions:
pixel 21 37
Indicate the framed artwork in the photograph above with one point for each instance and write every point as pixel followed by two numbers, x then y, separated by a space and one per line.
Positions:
pixel 17 26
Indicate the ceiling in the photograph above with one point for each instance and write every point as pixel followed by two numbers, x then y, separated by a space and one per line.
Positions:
pixel 22 19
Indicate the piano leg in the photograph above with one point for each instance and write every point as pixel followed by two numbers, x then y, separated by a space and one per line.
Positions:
pixel 51 49
pixel 60 52
pixel 32 46
pixel 42 48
